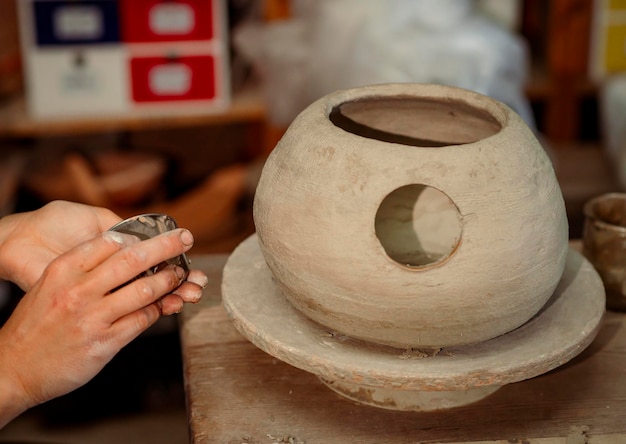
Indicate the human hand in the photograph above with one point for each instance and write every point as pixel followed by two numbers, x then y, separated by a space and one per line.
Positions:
pixel 71 322
pixel 30 241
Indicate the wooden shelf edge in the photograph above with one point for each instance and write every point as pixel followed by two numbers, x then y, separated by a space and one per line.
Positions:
pixel 246 106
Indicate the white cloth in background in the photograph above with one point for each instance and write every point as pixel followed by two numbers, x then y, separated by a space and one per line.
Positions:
pixel 336 44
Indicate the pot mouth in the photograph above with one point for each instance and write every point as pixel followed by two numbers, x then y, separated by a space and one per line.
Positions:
pixel 415 121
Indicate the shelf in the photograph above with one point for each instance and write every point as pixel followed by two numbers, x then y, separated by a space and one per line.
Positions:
pixel 246 106
pixel 541 86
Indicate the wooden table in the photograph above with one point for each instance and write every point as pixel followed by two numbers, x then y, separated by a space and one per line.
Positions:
pixel 237 393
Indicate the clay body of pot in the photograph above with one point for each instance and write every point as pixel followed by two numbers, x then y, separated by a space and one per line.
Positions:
pixel 412 215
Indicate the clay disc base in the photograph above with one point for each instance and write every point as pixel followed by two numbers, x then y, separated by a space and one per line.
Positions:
pixel 409 400
pixel 412 379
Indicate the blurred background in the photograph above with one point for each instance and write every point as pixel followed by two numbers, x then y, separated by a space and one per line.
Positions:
pixel 153 106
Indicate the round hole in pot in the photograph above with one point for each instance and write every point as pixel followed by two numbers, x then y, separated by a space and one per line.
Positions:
pixel 418 225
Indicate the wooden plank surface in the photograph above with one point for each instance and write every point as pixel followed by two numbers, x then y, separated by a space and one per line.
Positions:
pixel 236 393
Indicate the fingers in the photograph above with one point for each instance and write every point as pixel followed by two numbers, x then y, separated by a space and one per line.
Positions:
pixel 131 261
pixel 113 260
pixel 150 289
pixel 75 265
pixel 191 290
pixel 188 292
pixel 199 278
pixel 171 304
pixel 131 325
pixel 88 255
pixel 141 293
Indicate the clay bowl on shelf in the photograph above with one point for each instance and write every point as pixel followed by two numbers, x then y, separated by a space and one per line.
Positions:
pixel 108 178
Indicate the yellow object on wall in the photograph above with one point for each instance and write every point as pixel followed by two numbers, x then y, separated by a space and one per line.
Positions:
pixel 608 44
pixel 615 48
pixel 617 4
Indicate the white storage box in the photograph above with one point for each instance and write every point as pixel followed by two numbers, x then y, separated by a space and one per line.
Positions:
pixel 77 82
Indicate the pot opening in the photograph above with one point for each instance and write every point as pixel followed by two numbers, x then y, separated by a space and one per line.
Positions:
pixel 609 209
pixel 418 225
pixel 415 121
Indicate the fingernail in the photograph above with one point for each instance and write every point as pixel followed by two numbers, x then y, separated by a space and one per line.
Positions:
pixel 189 295
pixel 114 237
pixel 180 273
pixel 196 297
pixel 186 237
pixel 201 281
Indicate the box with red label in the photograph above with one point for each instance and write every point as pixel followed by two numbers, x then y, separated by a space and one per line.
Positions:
pixel 179 74
pixel 144 21
pixel 156 79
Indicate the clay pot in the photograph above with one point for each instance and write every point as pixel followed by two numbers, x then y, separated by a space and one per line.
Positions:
pixel 412 215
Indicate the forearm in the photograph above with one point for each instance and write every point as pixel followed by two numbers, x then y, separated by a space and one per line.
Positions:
pixel 11 402
pixel 13 398
pixel 8 225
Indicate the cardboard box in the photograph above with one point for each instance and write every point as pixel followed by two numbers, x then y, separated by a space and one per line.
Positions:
pixel 85 58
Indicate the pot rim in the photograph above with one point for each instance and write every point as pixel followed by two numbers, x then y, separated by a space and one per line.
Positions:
pixel 494 108
pixel 592 216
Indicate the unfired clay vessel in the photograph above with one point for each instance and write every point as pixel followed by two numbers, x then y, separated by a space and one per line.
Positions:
pixel 411 251
pixel 413 216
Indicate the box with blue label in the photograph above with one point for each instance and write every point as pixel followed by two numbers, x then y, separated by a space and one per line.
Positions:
pixel 75 23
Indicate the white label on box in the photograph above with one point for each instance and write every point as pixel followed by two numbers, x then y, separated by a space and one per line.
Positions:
pixel 172 19
pixel 170 79
pixel 78 22
pixel 79 81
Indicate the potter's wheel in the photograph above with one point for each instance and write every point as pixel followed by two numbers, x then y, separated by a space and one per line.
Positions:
pixel 412 379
